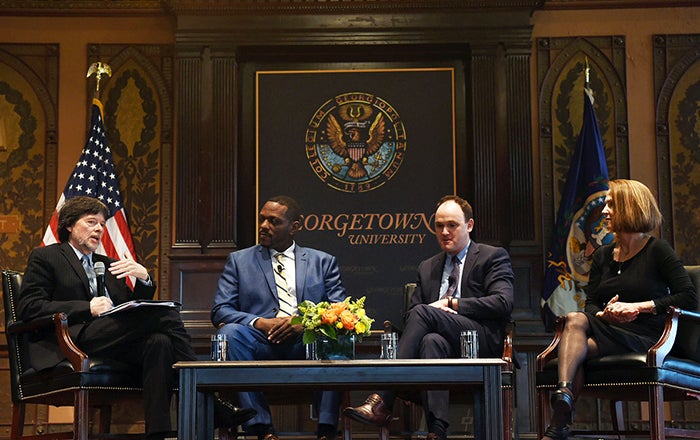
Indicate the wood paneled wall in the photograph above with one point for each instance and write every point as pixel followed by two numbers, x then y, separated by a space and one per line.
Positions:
pixel 215 206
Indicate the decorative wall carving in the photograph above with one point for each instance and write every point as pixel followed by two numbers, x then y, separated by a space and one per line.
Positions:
pixel 677 87
pixel 28 147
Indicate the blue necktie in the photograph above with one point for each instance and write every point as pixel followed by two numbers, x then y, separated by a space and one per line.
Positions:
pixel 90 274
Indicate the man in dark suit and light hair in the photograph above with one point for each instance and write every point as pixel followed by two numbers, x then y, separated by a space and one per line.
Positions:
pixel 58 279
pixel 468 286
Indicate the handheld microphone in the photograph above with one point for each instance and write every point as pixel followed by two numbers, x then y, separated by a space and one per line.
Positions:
pixel 100 275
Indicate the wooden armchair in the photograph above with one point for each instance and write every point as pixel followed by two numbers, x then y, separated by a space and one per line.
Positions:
pixel 670 370
pixel 80 381
pixel 507 374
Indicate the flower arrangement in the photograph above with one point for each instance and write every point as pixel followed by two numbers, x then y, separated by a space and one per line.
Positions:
pixel 333 319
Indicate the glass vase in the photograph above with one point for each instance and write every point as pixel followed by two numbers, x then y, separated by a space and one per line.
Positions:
pixel 342 348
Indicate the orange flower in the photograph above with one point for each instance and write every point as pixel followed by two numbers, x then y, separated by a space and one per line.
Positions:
pixel 338 307
pixel 348 319
pixel 329 317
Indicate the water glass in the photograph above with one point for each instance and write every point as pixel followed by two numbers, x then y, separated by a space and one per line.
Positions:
pixel 469 344
pixel 219 347
pixel 311 352
pixel 390 345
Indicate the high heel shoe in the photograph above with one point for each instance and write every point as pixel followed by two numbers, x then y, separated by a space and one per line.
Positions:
pixel 555 433
pixel 563 402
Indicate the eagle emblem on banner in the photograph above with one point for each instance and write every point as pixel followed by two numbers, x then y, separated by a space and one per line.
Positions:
pixel 355 142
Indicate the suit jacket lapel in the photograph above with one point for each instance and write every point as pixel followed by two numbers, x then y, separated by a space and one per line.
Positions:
pixel 69 254
pixel 263 259
pixel 469 262
pixel 301 262
pixel 436 277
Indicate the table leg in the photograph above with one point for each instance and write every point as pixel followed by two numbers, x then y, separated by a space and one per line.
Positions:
pixel 205 424
pixel 187 406
pixel 492 398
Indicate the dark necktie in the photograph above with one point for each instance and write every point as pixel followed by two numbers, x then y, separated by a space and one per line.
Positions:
pixel 453 279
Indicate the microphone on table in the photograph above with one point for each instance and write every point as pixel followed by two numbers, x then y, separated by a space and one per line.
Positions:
pixel 100 275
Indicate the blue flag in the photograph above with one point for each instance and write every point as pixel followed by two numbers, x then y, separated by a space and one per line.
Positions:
pixel 580 228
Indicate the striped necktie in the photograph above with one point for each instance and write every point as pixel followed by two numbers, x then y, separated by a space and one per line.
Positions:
pixel 453 279
pixel 288 302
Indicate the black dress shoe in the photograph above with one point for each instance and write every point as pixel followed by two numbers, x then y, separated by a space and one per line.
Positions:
pixel 326 432
pixel 226 415
pixel 372 412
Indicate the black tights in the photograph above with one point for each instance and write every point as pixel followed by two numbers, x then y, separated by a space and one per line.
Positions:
pixel 575 346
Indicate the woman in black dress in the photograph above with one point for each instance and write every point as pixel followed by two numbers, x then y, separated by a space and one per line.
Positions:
pixel 632 283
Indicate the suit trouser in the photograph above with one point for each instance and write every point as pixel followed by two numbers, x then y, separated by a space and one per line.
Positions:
pixel 248 343
pixel 150 338
pixel 431 333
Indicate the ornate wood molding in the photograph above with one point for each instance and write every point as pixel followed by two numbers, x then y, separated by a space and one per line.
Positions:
pixel 82 7
pixel 616 4
pixel 216 7
pixel 257 6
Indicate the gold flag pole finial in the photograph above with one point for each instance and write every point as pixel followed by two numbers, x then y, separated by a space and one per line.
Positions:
pixel 98 68
pixel 587 83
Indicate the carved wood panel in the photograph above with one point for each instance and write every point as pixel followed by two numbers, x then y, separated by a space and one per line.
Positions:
pixel 28 147
pixel 677 91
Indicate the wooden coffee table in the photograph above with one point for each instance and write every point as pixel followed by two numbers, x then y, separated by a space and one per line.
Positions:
pixel 198 381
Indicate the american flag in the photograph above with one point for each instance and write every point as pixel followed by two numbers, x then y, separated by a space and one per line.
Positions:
pixel 94 176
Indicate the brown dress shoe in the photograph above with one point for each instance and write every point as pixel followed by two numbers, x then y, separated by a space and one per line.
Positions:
pixel 372 412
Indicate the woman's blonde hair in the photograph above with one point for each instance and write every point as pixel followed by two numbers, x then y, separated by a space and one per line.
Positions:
pixel 634 206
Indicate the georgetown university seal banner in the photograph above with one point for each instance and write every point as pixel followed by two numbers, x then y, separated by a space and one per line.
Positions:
pixel 367 153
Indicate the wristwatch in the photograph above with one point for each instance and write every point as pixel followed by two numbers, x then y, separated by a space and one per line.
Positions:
pixel 653 309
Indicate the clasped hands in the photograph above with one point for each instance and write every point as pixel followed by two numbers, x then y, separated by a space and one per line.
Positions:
pixel 278 329
pixel 444 305
pixel 619 312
